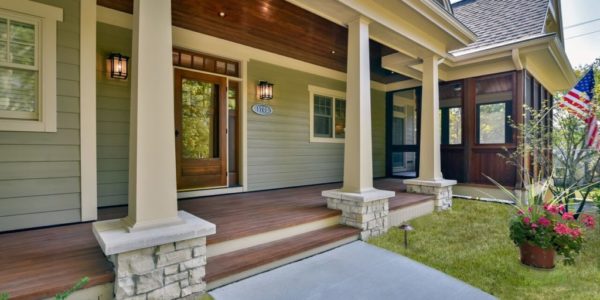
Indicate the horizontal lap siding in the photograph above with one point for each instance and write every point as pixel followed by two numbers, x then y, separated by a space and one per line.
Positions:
pixel 279 150
pixel 40 172
pixel 113 100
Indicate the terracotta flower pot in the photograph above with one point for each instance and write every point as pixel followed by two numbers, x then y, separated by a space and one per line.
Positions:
pixel 535 256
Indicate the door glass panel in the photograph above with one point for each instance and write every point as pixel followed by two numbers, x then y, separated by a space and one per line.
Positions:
pixel 199 119
pixel 404 118
pixel 404 164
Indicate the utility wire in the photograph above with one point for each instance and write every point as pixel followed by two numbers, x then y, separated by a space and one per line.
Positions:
pixel 583 34
pixel 582 23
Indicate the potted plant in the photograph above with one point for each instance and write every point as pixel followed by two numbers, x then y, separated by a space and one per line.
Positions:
pixel 540 231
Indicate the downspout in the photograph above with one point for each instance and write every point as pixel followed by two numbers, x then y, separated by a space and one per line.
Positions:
pixel 516 58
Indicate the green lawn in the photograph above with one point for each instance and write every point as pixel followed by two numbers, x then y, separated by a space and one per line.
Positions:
pixel 471 243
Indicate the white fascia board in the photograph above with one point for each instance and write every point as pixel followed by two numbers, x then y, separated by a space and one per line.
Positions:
pixel 558 53
pixel 385 18
pixel 459 55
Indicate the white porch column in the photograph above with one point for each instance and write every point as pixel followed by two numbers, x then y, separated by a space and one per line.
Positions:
pixel 152 177
pixel 358 158
pixel 362 206
pixel 430 180
pixel 157 252
pixel 429 163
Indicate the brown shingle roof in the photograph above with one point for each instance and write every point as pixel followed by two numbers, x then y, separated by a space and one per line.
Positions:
pixel 498 21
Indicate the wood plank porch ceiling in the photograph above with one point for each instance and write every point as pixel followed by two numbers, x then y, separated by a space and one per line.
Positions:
pixel 271 25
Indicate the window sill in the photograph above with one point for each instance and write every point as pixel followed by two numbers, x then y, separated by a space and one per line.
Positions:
pixel 326 140
pixel 27 125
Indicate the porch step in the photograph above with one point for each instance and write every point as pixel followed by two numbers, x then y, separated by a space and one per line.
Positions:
pixel 269 236
pixel 227 268
pixel 408 207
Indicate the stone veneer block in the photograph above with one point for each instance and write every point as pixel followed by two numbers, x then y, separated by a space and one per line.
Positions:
pixel 441 189
pixel 367 211
pixel 166 262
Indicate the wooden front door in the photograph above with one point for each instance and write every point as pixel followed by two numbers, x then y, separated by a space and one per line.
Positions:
pixel 200 130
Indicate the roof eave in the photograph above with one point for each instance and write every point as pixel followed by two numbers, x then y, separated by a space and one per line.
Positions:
pixel 550 41
pixel 444 20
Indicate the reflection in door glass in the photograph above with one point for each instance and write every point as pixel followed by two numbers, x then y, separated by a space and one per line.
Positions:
pixel 199 120
pixel 404 164
pixel 404 133
pixel 404 120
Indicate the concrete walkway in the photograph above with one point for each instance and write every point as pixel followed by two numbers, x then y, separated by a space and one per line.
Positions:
pixel 353 271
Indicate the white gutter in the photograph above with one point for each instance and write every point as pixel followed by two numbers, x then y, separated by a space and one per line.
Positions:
pixel 458 55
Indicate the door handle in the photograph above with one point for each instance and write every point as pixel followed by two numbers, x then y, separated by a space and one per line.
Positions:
pixel 176 133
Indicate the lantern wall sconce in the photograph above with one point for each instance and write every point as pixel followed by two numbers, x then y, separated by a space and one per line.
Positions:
pixel 118 66
pixel 264 90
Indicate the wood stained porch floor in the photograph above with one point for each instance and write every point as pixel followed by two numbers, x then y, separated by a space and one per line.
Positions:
pixel 39 263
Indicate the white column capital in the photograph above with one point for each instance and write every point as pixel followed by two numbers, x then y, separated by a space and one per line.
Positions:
pixel 360 19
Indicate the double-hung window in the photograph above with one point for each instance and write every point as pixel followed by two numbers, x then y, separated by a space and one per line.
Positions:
pixel 327 115
pixel 19 68
pixel 28 66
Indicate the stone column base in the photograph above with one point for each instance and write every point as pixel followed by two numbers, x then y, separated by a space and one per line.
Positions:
pixel 166 262
pixel 367 211
pixel 441 189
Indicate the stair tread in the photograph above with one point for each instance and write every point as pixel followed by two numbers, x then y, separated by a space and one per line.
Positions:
pixel 228 264
pixel 408 199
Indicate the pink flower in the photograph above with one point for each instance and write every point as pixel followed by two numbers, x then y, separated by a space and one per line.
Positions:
pixel 519 212
pixel 561 208
pixel 562 229
pixel 589 221
pixel 553 209
pixel 526 220
pixel 530 209
pixel 534 226
pixel 544 222
pixel 575 233
pixel 568 216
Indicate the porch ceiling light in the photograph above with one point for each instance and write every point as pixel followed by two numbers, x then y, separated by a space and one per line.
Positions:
pixel 118 66
pixel 265 90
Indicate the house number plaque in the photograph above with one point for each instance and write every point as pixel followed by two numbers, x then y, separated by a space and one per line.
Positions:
pixel 262 109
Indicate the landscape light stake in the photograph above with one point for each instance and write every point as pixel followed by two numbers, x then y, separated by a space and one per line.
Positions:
pixel 406 228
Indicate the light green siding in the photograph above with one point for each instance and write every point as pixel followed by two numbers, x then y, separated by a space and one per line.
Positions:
pixel 39 172
pixel 112 118
pixel 280 153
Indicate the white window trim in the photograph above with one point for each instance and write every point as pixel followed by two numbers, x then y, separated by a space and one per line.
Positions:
pixel 335 94
pixel 48 16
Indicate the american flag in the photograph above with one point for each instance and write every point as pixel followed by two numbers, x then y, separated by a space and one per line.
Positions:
pixel 578 100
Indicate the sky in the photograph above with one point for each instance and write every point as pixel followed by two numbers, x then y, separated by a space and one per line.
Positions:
pixel 582 41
